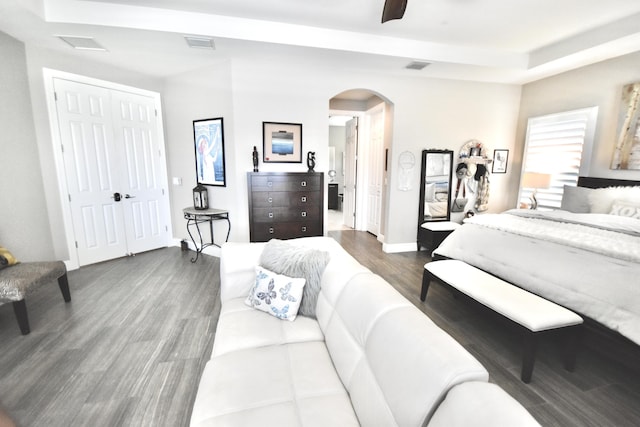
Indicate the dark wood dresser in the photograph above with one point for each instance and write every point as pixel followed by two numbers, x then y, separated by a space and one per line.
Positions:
pixel 285 205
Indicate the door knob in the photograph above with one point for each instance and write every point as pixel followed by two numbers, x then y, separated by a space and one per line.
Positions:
pixel 116 197
pixel 127 196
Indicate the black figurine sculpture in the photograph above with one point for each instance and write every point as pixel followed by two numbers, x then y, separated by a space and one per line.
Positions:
pixel 311 160
pixel 255 159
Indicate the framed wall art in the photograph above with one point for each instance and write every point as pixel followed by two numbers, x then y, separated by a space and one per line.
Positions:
pixel 281 142
pixel 500 158
pixel 627 150
pixel 208 137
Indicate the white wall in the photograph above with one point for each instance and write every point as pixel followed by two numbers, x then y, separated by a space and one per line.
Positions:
pixel 24 220
pixel 200 94
pixel 596 85
pixel 337 138
pixel 427 113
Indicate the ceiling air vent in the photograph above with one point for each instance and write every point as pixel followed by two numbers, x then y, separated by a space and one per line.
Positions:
pixel 417 65
pixel 200 42
pixel 82 43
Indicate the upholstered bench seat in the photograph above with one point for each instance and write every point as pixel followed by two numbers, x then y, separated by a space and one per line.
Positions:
pixel 528 310
pixel 20 280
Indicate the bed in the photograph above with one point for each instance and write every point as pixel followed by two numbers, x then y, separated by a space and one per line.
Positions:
pixel 585 256
pixel 436 200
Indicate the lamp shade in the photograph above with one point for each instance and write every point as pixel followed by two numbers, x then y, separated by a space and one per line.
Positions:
pixel 536 180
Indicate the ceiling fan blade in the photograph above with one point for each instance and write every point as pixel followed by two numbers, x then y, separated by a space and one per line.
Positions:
pixel 393 9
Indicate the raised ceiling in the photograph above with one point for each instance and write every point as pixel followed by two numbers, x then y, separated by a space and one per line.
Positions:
pixel 487 40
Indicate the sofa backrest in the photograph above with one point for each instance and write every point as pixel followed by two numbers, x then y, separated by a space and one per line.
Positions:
pixel 396 364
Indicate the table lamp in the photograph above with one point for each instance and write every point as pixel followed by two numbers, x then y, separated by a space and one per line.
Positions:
pixel 535 180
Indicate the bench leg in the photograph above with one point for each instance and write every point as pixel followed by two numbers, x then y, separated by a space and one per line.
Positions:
pixel 426 280
pixel 20 309
pixel 63 283
pixel 571 345
pixel 530 348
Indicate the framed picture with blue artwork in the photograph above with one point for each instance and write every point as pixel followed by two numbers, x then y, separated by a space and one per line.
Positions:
pixel 281 142
pixel 208 137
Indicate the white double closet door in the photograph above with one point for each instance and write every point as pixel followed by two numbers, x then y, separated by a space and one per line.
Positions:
pixel 113 159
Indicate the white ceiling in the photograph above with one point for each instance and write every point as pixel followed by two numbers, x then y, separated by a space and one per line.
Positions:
pixel 511 41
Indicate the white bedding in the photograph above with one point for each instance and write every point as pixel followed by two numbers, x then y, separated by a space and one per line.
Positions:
pixel 610 235
pixel 588 272
pixel 435 209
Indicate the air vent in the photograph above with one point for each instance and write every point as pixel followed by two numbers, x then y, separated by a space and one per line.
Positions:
pixel 200 42
pixel 417 65
pixel 82 43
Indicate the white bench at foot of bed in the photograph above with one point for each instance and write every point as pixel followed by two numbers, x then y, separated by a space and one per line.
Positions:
pixel 535 314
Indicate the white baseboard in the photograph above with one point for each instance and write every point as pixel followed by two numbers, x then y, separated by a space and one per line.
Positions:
pixel 399 247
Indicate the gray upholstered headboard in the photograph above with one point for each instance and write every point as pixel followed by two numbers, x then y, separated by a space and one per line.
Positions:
pixel 589 182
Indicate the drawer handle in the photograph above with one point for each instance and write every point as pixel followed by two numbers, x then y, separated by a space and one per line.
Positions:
pixel 269 184
pixel 303 183
pixel 270 230
pixel 304 214
pixel 270 214
pixel 304 228
pixel 270 200
pixel 303 199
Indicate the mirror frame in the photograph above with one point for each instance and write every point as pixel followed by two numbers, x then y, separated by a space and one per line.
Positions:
pixel 423 178
pixel 422 234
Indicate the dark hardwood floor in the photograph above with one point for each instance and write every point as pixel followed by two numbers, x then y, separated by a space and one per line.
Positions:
pixel 128 350
pixel 130 347
pixel 600 392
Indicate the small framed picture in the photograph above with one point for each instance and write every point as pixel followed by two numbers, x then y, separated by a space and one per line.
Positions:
pixel 281 142
pixel 208 137
pixel 500 158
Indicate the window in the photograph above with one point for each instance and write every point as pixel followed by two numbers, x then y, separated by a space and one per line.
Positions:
pixel 558 145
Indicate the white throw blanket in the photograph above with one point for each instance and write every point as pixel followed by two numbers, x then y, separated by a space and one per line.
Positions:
pixel 617 244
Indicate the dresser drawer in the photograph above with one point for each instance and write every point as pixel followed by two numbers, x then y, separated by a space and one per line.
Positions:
pixel 263 199
pixel 284 214
pixel 290 182
pixel 265 232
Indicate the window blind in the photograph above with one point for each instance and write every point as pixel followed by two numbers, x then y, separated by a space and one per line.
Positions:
pixel 558 144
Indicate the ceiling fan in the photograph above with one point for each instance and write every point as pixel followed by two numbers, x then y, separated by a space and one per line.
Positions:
pixel 393 9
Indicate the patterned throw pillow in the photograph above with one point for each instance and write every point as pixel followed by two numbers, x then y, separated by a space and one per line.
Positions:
pixel 292 260
pixel 6 258
pixel 623 208
pixel 276 294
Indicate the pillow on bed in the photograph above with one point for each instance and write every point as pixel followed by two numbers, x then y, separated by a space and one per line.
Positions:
pixel 576 199
pixel 601 199
pixel 623 208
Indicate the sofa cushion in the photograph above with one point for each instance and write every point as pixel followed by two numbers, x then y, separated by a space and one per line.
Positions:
pixel 297 261
pixel 276 294
pixel 238 327
pixel 481 404
pixel 396 364
pixel 280 385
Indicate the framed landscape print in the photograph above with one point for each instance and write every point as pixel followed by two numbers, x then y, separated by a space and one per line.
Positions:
pixel 208 137
pixel 281 142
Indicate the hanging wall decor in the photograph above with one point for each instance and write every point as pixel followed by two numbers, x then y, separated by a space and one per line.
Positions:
pixel 627 150
pixel 500 159
pixel 208 137
pixel 281 142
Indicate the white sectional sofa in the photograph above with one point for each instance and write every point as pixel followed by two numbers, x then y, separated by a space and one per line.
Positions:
pixel 370 358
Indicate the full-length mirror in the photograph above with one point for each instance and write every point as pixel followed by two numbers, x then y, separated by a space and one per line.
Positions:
pixel 435 188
